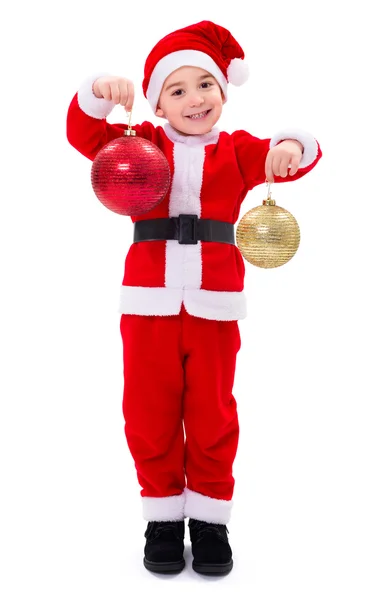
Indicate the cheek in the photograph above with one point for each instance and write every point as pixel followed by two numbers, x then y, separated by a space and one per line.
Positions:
pixel 218 98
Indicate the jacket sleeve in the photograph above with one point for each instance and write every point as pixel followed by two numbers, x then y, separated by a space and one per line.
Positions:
pixel 251 153
pixel 86 126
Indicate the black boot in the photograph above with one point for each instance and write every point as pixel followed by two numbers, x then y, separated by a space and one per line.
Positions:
pixel 164 546
pixel 210 548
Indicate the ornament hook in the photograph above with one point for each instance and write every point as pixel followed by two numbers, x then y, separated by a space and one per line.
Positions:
pixel 130 131
pixel 269 201
pixel 269 189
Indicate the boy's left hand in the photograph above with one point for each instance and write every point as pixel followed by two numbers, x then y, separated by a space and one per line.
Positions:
pixel 286 154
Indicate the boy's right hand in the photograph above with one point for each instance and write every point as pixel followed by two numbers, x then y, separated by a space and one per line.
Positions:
pixel 117 89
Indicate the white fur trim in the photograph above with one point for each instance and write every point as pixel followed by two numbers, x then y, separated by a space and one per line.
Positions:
pixel 136 300
pixel 174 260
pixel 175 60
pixel 206 304
pixel 184 262
pixel 306 139
pixel 238 71
pixel 192 266
pixel 187 180
pixel 169 508
pixel 183 265
pixel 99 108
pixel 216 306
pixel 204 508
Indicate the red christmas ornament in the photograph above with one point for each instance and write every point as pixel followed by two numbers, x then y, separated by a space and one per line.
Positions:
pixel 130 175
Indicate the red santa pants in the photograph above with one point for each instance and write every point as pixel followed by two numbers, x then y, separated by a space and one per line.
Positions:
pixel 181 419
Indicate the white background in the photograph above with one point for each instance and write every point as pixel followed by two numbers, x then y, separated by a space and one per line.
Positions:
pixel 307 519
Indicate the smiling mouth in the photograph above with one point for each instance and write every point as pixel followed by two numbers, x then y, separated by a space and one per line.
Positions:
pixel 199 116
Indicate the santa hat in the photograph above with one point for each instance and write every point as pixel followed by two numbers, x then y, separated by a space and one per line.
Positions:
pixel 204 45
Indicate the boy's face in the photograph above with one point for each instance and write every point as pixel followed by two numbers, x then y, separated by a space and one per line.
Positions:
pixel 190 91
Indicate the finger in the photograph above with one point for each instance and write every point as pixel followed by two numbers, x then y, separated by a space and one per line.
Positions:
pixel 268 168
pixel 105 90
pixel 283 167
pixel 115 93
pixel 124 92
pixel 294 163
pixel 276 165
pixel 130 100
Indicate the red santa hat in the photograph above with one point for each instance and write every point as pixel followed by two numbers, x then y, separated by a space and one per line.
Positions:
pixel 204 45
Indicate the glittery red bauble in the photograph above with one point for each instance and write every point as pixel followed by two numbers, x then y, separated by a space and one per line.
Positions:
pixel 130 175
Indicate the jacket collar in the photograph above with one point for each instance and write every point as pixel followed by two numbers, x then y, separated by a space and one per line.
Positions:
pixel 192 140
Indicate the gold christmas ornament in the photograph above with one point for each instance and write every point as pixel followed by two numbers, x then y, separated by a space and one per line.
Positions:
pixel 268 236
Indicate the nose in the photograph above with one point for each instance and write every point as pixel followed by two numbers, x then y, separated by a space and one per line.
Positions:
pixel 196 100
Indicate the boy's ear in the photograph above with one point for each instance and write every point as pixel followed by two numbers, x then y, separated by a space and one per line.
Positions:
pixel 159 112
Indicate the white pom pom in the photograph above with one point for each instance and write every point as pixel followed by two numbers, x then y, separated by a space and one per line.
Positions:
pixel 238 71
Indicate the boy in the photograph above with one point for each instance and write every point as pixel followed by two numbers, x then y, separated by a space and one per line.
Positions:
pixel 182 292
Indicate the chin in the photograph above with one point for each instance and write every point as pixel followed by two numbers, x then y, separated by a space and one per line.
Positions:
pixel 199 128
pixel 200 131
pixel 186 128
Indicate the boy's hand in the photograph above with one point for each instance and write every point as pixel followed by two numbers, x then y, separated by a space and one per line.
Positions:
pixel 286 154
pixel 117 89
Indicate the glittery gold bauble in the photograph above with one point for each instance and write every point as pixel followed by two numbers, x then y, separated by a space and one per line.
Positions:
pixel 268 235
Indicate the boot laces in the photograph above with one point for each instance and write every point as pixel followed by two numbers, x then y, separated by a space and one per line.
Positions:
pixel 157 528
pixel 202 528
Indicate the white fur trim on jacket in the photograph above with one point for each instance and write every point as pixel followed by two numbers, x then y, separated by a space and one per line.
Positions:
pixel 206 304
pixel 306 139
pixel 184 262
pixel 207 509
pixel 99 108
pixel 216 306
pixel 150 301
pixel 169 508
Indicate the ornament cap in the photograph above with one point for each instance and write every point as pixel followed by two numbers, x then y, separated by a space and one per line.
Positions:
pixel 269 202
pixel 130 132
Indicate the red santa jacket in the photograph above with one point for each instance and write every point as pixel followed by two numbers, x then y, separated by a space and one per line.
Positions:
pixel 211 175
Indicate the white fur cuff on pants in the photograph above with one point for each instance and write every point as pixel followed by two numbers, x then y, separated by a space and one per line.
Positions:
pixel 169 508
pixel 207 509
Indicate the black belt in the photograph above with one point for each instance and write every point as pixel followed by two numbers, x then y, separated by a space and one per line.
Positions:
pixel 187 229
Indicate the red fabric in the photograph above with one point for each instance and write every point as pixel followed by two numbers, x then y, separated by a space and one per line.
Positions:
pixel 181 367
pixel 231 168
pixel 207 37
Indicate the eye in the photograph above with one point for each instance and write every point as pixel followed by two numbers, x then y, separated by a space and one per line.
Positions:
pixel 176 93
pixel 207 83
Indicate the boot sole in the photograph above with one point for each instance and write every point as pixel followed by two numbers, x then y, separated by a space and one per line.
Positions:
pixel 165 567
pixel 212 569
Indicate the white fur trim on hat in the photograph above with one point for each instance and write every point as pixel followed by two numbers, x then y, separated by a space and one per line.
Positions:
pixel 310 149
pixel 238 71
pixel 175 60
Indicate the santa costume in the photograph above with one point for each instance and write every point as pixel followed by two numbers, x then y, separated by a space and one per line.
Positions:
pixel 182 292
